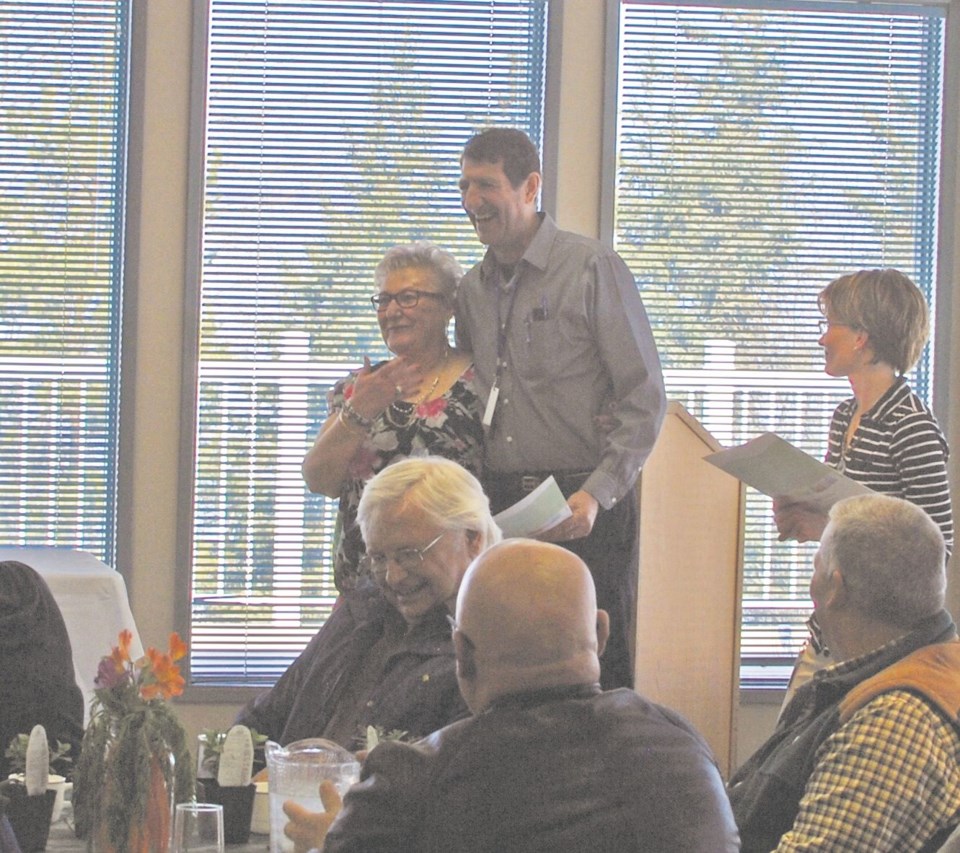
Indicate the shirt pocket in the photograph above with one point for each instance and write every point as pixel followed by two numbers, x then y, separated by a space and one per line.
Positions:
pixel 558 347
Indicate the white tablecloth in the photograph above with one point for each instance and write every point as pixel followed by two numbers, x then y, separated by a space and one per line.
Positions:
pixel 93 600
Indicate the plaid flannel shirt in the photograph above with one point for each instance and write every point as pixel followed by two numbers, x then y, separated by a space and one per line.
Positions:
pixel 887 780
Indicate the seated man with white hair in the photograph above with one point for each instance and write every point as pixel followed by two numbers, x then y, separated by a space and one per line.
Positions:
pixel 385 658
pixel 866 756
pixel 548 761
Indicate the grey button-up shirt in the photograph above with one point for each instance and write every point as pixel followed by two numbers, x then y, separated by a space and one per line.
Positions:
pixel 575 339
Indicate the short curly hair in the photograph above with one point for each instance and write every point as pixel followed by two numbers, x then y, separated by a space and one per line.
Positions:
pixel 421 254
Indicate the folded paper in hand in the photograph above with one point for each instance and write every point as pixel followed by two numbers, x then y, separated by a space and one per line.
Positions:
pixel 775 467
pixel 543 508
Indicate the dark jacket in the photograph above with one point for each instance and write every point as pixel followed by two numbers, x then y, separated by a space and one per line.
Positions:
pixel 416 693
pixel 37 683
pixel 765 792
pixel 571 769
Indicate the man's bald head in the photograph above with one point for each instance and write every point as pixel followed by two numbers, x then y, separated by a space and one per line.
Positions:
pixel 527 618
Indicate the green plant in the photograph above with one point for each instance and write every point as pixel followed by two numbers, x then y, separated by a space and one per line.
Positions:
pixel 213 748
pixel 60 760
pixel 375 734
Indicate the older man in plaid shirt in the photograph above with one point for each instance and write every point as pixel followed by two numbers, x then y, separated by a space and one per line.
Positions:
pixel 867 754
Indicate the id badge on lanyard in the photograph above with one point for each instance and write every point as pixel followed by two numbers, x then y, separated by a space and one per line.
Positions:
pixel 503 324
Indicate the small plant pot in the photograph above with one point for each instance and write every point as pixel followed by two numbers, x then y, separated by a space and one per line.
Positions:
pixel 29 816
pixel 54 783
pixel 237 809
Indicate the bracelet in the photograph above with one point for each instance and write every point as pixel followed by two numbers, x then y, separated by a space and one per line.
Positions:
pixel 352 415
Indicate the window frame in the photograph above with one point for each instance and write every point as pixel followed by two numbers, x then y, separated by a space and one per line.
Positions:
pixel 942 373
pixel 108 533
pixel 205 693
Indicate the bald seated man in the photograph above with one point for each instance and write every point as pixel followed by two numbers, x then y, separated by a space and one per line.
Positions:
pixel 548 762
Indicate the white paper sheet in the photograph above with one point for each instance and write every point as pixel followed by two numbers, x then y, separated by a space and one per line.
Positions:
pixel 777 468
pixel 543 508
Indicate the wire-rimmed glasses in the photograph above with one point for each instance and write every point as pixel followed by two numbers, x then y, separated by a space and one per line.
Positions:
pixel 408 559
pixel 825 324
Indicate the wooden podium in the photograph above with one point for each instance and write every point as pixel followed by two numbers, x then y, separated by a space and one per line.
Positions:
pixel 688 602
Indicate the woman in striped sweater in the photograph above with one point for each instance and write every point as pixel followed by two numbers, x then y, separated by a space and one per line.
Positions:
pixel 875 326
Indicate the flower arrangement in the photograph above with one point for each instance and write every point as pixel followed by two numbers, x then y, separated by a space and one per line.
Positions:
pixel 126 685
pixel 134 762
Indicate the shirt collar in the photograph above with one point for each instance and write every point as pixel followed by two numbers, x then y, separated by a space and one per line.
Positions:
pixel 536 255
pixel 892 397
pixel 532 698
pixel 832 682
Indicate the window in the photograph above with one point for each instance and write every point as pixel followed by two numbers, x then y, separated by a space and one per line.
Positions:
pixel 762 151
pixel 63 70
pixel 332 131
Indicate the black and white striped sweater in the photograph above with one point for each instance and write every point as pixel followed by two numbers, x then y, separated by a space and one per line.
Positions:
pixel 898 449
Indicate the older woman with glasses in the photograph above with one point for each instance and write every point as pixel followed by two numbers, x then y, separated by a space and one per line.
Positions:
pixel 419 402
pixel 385 656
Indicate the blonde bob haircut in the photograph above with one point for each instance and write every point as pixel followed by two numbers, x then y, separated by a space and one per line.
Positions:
pixel 886 305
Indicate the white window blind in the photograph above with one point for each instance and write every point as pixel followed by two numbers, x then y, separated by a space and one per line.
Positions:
pixel 332 131
pixel 762 152
pixel 63 70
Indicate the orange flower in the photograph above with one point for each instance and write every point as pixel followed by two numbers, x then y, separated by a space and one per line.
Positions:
pixel 162 677
pixel 121 653
pixel 153 676
pixel 126 636
pixel 178 648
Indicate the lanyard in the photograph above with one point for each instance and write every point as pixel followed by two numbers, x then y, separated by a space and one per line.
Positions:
pixel 503 324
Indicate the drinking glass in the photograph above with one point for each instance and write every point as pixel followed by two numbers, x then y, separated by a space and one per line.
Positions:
pixel 198 828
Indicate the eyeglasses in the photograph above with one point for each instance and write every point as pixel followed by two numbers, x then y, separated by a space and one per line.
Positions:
pixel 825 324
pixel 408 559
pixel 405 298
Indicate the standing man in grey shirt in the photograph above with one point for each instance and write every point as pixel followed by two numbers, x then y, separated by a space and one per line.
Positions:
pixel 560 340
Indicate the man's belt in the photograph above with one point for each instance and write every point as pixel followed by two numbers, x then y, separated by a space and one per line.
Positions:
pixel 568 481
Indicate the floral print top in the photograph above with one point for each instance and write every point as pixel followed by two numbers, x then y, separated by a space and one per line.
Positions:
pixel 448 426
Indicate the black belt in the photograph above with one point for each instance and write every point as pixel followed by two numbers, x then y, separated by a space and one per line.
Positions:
pixel 568 481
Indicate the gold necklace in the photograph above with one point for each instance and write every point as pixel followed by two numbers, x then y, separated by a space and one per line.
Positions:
pixel 400 405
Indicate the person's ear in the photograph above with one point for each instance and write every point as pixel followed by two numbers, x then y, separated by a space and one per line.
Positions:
pixel 474 543
pixel 836 593
pixel 603 630
pixel 531 187
pixel 466 656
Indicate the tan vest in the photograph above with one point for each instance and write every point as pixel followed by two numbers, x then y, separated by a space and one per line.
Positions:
pixel 933 672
